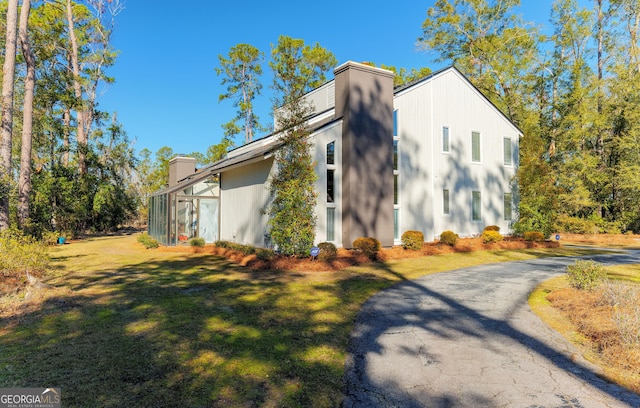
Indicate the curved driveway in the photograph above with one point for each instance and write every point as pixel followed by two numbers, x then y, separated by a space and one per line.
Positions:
pixel 468 338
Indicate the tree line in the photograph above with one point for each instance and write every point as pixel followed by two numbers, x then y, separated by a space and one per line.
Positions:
pixel 66 165
pixel 572 89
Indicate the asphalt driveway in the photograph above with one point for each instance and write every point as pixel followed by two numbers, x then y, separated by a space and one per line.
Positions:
pixel 468 338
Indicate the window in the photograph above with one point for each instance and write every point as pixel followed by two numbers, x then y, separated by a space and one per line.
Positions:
pixel 331 149
pixel 331 222
pixel 330 190
pixel 396 224
pixel 395 189
pixel 475 146
pixel 445 202
pixel 476 206
pixel 395 123
pixel 395 155
pixel 507 207
pixel 445 139
pixel 508 153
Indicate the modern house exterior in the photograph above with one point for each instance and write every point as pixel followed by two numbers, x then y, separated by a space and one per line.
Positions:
pixel 432 155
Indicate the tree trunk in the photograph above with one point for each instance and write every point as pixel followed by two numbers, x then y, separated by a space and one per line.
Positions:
pixel 77 88
pixel 66 131
pixel 24 184
pixel 8 75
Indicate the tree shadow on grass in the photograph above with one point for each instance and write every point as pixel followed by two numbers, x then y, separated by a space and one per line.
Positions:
pixel 192 332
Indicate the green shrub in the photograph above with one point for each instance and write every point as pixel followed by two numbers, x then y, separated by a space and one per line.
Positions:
pixel 245 249
pixel 449 238
pixel 492 228
pixel 20 253
pixel 585 275
pixel 412 240
pixel 148 241
pixel 197 242
pixel 368 246
pixel 328 251
pixel 490 236
pixel 534 236
pixel 265 254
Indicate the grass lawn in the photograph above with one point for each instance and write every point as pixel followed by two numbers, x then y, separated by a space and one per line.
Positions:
pixel 125 326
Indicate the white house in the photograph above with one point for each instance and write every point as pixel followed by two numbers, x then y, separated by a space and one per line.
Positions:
pixel 432 155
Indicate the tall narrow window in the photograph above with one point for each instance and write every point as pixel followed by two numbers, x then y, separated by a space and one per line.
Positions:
pixel 445 202
pixel 395 189
pixel 507 207
pixel 330 190
pixel 331 224
pixel 396 224
pixel 331 148
pixel 395 123
pixel 476 206
pixel 508 153
pixel 395 155
pixel 445 139
pixel 475 146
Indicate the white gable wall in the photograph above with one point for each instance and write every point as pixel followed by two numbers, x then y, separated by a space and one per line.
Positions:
pixel 425 170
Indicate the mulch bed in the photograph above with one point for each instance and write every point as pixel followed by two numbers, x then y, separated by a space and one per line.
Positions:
pixel 347 258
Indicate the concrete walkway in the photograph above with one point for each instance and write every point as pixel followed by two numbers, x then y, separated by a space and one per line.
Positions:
pixel 468 338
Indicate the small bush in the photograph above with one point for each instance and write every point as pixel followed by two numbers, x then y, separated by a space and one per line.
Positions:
pixel 197 242
pixel 412 240
pixel 368 246
pixel 245 249
pixel 449 238
pixel 265 254
pixel 490 236
pixel 328 251
pixel 148 242
pixel 585 275
pixel 534 236
pixel 492 228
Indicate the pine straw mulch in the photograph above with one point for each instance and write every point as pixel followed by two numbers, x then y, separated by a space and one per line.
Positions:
pixel 592 316
pixel 347 257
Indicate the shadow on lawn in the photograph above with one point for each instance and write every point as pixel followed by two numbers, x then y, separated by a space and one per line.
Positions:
pixel 192 332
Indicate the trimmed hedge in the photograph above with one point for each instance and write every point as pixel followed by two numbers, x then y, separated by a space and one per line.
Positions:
pixel 368 246
pixel 534 236
pixel 490 236
pixel 328 251
pixel 449 238
pixel 412 240
pixel 197 242
pixel 492 228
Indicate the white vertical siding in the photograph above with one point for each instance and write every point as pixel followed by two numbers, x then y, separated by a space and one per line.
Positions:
pixel 449 100
pixel 244 200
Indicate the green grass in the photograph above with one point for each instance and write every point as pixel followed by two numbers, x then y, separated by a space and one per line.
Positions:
pixel 127 326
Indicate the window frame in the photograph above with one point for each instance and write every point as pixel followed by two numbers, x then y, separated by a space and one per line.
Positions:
pixel 446 139
pixel 507 198
pixel 509 150
pixel 476 206
pixel 446 202
pixel 476 157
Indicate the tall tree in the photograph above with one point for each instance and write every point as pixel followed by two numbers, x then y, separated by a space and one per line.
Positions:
pixel 8 75
pixel 489 43
pixel 297 69
pixel 24 183
pixel 241 70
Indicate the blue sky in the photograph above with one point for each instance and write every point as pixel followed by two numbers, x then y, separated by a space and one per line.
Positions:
pixel 166 90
